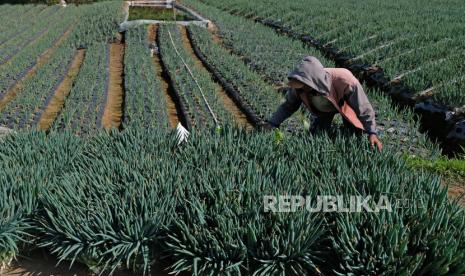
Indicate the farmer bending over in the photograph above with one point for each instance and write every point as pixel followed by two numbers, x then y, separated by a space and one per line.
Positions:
pixel 326 92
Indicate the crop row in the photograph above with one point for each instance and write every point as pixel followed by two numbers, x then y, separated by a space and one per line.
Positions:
pixel 50 57
pixel 98 23
pixel 394 125
pixel 84 106
pixel 23 110
pixel 413 45
pixel 144 103
pixel 18 66
pixel 20 17
pixel 250 86
pixel 110 206
pixel 11 12
pixel 100 26
pixel 198 92
pixel 258 44
pixel 36 32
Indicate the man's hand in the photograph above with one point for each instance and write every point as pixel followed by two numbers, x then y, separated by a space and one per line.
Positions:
pixel 374 141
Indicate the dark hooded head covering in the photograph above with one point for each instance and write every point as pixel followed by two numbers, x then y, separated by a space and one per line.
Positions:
pixel 311 72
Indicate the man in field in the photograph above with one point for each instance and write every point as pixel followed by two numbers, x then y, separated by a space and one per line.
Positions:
pixel 326 92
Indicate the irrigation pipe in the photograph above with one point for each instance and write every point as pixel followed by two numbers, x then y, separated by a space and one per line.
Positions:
pixel 193 77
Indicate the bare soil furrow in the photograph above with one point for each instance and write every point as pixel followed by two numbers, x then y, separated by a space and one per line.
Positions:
pixel 58 100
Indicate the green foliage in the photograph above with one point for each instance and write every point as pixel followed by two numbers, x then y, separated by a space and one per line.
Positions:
pixel 144 103
pixel 254 91
pixel 261 47
pixel 451 168
pixel 50 2
pixel 120 206
pixel 25 111
pixel 57 36
pixel 397 128
pixel 136 13
pixel 27 162
pixel 86 100
pixel 185 84
pixel 124 199
pixel 401 36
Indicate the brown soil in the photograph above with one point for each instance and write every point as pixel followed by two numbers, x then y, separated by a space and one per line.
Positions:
pixel 239 117
pixel 114 107
pixel 214 31
pixel 39 263
pixel 43 58
pixel 173 115
pixel 456 189
pixel 62 92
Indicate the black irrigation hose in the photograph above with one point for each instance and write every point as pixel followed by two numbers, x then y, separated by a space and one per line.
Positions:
pixel 173 90
pixel 232 92
pixel 437 119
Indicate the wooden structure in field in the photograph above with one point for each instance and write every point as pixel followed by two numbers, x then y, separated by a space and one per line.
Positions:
pixel 167 4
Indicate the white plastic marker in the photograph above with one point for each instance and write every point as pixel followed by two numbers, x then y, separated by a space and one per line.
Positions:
pixel 181 133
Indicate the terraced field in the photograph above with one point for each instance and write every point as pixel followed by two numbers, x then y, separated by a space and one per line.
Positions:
pixel 94 174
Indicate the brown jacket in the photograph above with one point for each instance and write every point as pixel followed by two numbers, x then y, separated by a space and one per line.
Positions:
pixel 338 85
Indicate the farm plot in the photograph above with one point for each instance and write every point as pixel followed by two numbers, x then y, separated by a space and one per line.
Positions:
pixel 136 199
pixel 195 87
pixel 144 102
pixel 42 66
pixel 258 96
pixel 25 173
pixel 23 17
pixel 24 111
pixel 55 103
pixel 36 32
pixel 232 33
pixel 25 61
pixel 175 111
pixel 85 105
pixel 422 49
pixel 257 44
pixel 100 26
pixel 395 126
pixel 111 206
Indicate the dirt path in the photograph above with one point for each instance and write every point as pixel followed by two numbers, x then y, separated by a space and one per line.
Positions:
pixel 39 263
pixel 173 115
pixel 114 106
pixel 43 58
pixel 239 117
pixel 456 190
pixel 62 92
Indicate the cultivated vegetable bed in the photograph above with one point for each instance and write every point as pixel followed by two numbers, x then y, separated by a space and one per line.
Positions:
pixel 110 205
pixel 144 100
pixel 414 56
pixel 134 198
pixel 421 48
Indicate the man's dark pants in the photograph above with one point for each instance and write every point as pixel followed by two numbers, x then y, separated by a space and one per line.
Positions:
pixel 323 122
